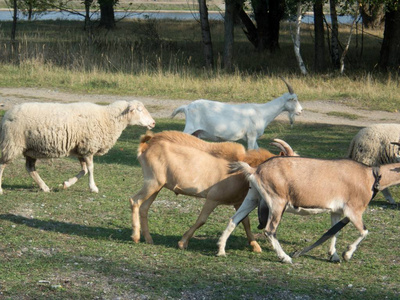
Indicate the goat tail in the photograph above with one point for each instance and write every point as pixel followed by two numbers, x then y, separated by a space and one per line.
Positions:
pixel 143 142
pixel 180 109
pixel 242 167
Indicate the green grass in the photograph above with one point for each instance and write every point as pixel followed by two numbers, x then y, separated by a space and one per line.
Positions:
pixel 72 244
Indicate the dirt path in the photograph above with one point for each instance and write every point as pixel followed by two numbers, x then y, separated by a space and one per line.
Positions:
pixel 314 111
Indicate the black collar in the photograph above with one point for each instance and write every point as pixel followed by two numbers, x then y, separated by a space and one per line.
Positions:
pixel 377 176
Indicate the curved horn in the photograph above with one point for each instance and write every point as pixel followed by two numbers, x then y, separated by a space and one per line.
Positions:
pixel 285 147
pixel 291 91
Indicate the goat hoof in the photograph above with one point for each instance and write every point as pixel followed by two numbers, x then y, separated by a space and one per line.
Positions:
pixel 66 185
pixel 182 245
pixel 346 256
pixel 135 239
pixel 256 247
pixel 334 258
pixel 221 254
pixel 286 260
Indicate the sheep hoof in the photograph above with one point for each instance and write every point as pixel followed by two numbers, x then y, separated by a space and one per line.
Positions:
pixel 46 189
pixel 66 185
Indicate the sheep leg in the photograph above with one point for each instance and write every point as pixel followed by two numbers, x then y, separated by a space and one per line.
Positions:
pixel 147 191
pixel 83 172
pixel 388 196
pixel 30 167
pixel 334 257
pixel 249 204
pixel 207 209
pixel 250 237
pixel 270 232
pixel 90 166
pixel 358 223
pixel 2 167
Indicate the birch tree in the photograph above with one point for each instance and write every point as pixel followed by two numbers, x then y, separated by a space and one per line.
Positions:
pixel 296 40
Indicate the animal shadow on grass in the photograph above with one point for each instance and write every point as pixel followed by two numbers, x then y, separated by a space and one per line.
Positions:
pixel 102 233
pixel 384 204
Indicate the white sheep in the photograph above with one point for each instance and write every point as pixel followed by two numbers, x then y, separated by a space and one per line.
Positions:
pixel 372 146
pixel 218 121
pixel 52 130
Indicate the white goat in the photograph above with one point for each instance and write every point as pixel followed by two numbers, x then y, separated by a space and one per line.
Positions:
pixel 218 121
pixel 308 186
pixel 52 130
pixel 372 146
pixel 165 158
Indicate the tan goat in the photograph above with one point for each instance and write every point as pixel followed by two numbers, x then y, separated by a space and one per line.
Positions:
pixel 308 186
pixel 187 165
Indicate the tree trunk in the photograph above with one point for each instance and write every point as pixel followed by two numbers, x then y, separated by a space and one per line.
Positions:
pixel 229 22
pixel 248 27
pixel 206 35
pixel 296 41
pixel 335 56
pixel 276 11
pixel 14 22
pixel 260 9
pixel 347 47
pixel 267 14
pixel 390 49
pixel 319 46
pixel 88 4
pixel 373 14
pixel 107 18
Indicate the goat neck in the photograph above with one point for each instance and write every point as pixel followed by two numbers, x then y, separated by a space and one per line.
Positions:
pixel 390 175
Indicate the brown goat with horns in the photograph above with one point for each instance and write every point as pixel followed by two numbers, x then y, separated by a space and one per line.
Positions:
pixel 165 158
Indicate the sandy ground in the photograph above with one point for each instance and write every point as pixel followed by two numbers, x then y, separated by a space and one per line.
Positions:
pixel 314 111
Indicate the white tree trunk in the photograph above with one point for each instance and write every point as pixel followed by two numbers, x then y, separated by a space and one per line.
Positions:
pixel 347 47
pixel 296 41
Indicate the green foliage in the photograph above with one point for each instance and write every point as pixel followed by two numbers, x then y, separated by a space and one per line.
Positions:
pixel 72 244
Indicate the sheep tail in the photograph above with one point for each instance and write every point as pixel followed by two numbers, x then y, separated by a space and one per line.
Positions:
pixel 180 109
pixel 143 142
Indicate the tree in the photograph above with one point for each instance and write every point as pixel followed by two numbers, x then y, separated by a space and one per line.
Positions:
pixel 267 14
pixel 206 35
pixel 372 13
pixel 231 10
pixel 107 18
pixel 335 55
pixel 390 49
pixel 319 45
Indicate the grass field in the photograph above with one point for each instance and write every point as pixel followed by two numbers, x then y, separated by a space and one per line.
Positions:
pixel 164 59
pixel 72 244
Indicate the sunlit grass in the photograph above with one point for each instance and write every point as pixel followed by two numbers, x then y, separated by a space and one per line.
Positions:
pixel 73 244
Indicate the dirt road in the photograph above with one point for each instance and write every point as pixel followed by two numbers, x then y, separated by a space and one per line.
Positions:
pixel 314 111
